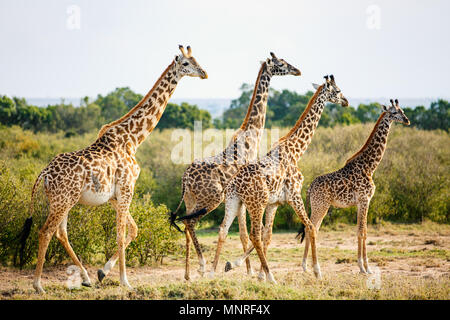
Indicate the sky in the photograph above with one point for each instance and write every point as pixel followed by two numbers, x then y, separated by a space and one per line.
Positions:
pixel 78 48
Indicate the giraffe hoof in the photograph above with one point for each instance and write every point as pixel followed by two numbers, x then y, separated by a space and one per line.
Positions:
pixel 86 284
pixel 38 288
pixel 228 266
pixel 100 275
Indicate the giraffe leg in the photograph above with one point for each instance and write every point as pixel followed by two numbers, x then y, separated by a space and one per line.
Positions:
pixel 267 232
pixel 188 252
pixel 121 219
pixel 198 249
pixel 132 234
pixel 255 237
pixel 362 222
pixel 364 238
pixel 61 235
pixel 297 203
pixel 317 215
pixel 54 219
pixel 243 234
pixel 231 211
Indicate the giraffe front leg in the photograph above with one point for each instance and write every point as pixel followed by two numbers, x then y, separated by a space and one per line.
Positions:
pixel 363 262
pixel 267 232
pixel 231 211
pixel 255 237
pixel 364 238
pixel 132 234
pixel 243 234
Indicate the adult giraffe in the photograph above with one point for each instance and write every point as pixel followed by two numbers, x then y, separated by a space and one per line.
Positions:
pixel 204 181
pixel 275 179
pixel 352 185
pixel 105 171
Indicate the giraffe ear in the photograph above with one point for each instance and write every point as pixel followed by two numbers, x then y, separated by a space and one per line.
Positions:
pixel 384 108
pixel 177 58
pixel 316 86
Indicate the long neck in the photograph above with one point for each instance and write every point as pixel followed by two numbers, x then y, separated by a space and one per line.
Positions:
pixel 370 155
pixel 132 129
pixel 256 112
pixel 245 142
pixel 297 140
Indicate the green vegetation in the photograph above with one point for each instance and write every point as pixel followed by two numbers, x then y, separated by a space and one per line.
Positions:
pixel 412 186
pixel 285 106
pixel 412 180
pixel 92 115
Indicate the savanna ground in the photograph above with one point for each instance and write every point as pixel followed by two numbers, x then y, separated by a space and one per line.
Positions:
pixel 413 260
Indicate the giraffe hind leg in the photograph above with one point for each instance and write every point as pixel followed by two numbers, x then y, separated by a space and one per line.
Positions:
pixel 318 212
pixel 61 235
pixel 54 219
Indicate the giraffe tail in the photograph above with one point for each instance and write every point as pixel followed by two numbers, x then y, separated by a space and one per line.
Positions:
pixel 26 229
pixel 301 231
pixel 173 215
pixel 196 214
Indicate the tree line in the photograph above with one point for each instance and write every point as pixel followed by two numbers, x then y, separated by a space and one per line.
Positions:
pixel 283 110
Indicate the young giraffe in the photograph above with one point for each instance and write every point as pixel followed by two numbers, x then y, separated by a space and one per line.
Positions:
pixel 275 179
pixel 106 171
pixel 204 180
pixel 352 185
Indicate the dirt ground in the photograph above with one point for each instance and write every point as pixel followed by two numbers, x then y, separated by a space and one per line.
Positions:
pixel 412 261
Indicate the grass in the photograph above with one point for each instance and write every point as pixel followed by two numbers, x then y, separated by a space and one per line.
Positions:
pixel 410 266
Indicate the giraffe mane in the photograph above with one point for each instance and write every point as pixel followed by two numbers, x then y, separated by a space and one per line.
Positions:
pixel 368 139
pixel 247 116
pixel 305 112
pixel 138 105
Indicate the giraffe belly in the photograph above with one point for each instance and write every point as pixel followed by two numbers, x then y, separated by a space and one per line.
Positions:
pixel 95 198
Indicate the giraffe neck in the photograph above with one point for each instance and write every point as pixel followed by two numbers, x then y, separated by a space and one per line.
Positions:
pixel 256 112
pixel 297 140
pixel 245 142
pixel 132 129
pixel 372 152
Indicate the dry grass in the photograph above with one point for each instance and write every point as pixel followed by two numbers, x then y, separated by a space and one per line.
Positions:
pixel 414 261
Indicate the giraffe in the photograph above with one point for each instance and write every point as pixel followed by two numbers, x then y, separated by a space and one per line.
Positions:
pixel 105 171
pixel 204 180
pixel 275 179
pixel 352 185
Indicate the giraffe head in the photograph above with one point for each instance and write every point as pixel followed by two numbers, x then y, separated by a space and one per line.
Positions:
pixel 187 65
pixel 279 67
pixel 395 113
pixel 332 92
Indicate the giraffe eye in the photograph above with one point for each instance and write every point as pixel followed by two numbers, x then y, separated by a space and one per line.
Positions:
pixel 185 64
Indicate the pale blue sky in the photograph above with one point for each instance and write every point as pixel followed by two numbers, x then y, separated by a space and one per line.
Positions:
pixel 129 43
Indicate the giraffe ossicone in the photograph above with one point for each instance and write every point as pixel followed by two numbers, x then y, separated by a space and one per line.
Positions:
pixel 204 181
pixel 352 185
pixel 106 170
pixel 275 179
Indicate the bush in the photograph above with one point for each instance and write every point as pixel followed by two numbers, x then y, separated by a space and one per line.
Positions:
pixel 91 230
